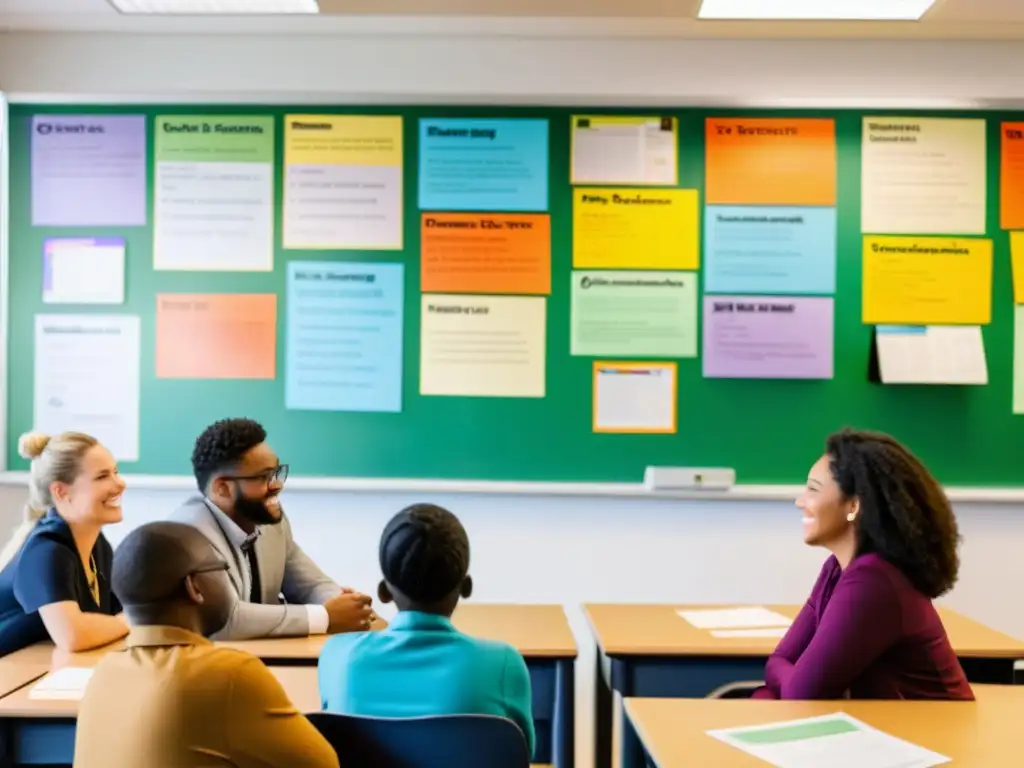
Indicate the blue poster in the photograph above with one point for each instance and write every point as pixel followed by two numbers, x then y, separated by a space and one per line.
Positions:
pixel 483 165
pixel 769 250
pixel 344 336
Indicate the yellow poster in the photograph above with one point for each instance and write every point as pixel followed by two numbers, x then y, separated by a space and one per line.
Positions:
pixel 343 182
pixel 635 229
pixel 342 140
pixel 927 281
pixel 1017 259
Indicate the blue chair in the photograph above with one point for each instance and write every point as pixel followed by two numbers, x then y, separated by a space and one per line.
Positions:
pixel 449 741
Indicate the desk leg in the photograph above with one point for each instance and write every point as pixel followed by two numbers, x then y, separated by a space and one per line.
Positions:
pixel 565 714
pixel 603 704
pixel 632 749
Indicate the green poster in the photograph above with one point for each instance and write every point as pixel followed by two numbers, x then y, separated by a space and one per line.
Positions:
pixel 630 314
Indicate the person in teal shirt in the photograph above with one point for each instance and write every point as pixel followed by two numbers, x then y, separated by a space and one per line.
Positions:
pixel 421 664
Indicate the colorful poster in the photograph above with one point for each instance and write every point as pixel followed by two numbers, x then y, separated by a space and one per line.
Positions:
pixel 216 336
pixel 635 398
pixel 770 161
pixel 343 182
pixel 624 149
pixel 483 164
pixel 927 281
pixel 635 229
pixel 89 171
pixel 485 253
pixel 931 354
pixel 751 249
pixel 483 346
pixel 631 314
pixel 344 350
pixel 768 337
pixel 1011 176
pixel 87 379
pixel 923 175
pixel 214 194
pixel 1017 263
pixel 83 270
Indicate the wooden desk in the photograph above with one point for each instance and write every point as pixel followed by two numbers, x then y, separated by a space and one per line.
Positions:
pixel 536 631
pixel 674 731
pixel 650 651
pixel 43 732
pixel 541 633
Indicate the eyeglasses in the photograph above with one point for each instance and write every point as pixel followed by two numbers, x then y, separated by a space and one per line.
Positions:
pixel 278 474
pixel 213 568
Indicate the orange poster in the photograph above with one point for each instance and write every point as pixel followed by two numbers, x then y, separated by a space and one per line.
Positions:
pixel 771 161
pixel 486 253
pixel 216 336
pixel 1011 176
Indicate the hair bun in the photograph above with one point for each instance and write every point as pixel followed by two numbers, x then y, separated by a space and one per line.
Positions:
pixel 32 444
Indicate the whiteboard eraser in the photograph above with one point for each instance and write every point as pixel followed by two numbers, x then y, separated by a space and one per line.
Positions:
pixel 689 478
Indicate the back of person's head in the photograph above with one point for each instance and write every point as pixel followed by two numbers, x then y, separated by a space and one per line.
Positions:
pixel 170 573
pixel 222 446
pixel 424 556
pixel 53 460
pixel 904 515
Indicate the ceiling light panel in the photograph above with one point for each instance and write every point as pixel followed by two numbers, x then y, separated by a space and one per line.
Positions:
pixel 815 10
pixel 216 7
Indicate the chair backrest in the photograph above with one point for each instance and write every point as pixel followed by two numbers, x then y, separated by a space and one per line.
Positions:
pixel 450 741
pixel 739 690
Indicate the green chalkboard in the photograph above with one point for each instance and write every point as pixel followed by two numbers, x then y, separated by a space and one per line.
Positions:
pixel 769 431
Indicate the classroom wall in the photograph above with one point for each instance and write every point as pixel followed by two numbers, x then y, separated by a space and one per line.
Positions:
pixel 532 548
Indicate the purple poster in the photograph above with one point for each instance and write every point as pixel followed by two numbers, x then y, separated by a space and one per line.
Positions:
pixel 88 170
pixel 768 337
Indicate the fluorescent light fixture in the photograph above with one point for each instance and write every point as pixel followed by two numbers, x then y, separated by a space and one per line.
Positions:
pixel 216 7
pixel 815 10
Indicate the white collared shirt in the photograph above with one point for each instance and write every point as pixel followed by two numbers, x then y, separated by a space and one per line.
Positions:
pixel 319 620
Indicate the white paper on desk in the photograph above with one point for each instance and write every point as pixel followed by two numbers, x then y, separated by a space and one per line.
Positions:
pixel 754 617
pixel 725 634
pixel 65 684
pixel 838 741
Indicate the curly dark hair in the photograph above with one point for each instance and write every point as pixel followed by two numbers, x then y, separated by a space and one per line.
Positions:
pixel 905 516
pixel 424 553
pixel 222 445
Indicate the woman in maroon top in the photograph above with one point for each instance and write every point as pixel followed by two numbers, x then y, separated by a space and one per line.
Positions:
pixel 869 629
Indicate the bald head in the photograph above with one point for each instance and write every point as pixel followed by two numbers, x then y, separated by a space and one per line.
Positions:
pixel 153 562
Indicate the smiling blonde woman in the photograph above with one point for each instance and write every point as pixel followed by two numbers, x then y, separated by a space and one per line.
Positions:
pixel 55 572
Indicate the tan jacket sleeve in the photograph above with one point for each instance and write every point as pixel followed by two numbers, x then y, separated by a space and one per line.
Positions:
pixel 265 730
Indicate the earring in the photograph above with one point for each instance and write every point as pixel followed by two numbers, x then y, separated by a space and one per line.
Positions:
pixel 851 517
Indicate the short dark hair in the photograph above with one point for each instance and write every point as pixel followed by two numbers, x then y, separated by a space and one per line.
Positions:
pixel 151 563
pixel 222 445
pixel 904 516
pixel 424 553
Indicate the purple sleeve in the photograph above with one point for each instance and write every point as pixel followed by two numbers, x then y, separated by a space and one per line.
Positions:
pixel 798 636
pixel 862 620
pixel 781 663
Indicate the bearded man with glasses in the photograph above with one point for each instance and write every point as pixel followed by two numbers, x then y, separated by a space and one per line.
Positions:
pixel 279 590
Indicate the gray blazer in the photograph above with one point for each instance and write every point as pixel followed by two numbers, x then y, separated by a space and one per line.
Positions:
pixel 285 571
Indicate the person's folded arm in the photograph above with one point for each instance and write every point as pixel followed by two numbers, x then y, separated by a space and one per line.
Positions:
pixel 46 581
pixel 798 636
pixel 265 730
pixel 863 619
pixel 793 643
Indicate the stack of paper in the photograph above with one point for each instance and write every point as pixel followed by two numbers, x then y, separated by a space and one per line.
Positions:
pixel 754 621
pixel 838 741
pixel 66 684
